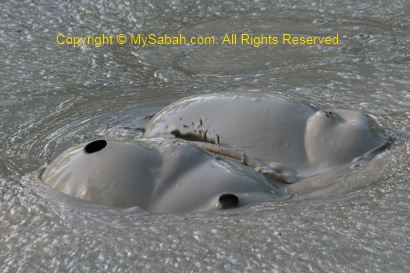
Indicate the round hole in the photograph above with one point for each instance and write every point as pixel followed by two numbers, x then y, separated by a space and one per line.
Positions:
pixel 95 146
pixel 228 201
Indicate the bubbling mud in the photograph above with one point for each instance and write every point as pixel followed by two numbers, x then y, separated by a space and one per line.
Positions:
pixel 217 152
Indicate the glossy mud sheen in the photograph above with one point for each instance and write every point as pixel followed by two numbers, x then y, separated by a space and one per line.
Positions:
pixel 271 130
pixel 159 175
pixel 54 98
pixel 216 152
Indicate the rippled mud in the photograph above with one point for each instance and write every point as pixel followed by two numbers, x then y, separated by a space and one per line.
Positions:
pixel 52 98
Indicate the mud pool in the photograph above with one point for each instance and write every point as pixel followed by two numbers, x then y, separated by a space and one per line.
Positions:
pixel 52 98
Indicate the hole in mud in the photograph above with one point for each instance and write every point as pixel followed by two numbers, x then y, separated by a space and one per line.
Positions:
pixel 95 146
pixel 229 201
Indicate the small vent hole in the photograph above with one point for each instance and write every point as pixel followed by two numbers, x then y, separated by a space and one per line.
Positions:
pixel 95 146
pixel 228 201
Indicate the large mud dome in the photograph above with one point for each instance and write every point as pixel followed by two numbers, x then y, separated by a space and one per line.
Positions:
pixel 217 152
pixel 52 98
